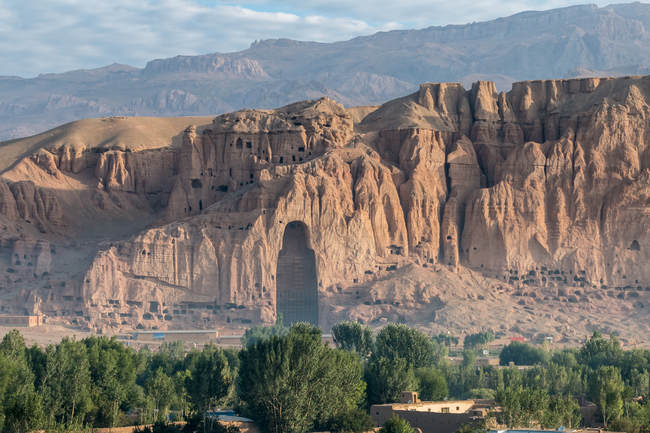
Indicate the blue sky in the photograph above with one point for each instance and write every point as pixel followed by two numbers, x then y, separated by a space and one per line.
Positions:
pixel 44 36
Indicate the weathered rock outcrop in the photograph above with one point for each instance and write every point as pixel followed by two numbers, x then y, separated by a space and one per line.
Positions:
pixel 7 202
pixel 31 203
pixel 32 255
pixel 539 190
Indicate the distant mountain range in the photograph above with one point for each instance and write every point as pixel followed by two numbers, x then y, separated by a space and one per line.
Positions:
pixel 569 42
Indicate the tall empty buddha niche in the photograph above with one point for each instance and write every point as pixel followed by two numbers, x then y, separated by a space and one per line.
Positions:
pixel 296 281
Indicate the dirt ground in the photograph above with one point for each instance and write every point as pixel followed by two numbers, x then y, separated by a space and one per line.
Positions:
pixel 45 335
pixel 52 334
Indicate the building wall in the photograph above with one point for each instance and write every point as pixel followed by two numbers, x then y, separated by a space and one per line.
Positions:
pixel 431 422
pixel 437 422
pixel 436 406
pixel 21 321
pixel 588 413
pixel 185 336
pixel 244 427
pixel 192 337
pixel 428 416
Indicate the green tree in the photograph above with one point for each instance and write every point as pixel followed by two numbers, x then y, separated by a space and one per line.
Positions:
pixel 638 381
pixel 397 425
pixel 257 333
pixel 480 393
pixel 523 354
pixel 634 367
pixel 479 340
pixel 469 358
pixel 180 391
pixel 446 340
pixel 20 405
pixel 387 378
pixel 160 389
pixel 627 395
pixel 401 341
pixel 232 355
pixel 353 421
pixel 67 382
pixel 25 413
pixel 564 358
pixel 37 363
pixel 441 356
pixel 174 349
pixel 13 346
pixel 289 384
pixel 521 407
pixel 210 379
pixel 628 425
pixel 433 386
pixel 353 337
pixel 113 372
pixel 605 389
pixel 562 411
pixel 598 351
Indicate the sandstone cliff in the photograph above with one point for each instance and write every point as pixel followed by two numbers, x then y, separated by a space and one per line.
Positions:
pixel 441 205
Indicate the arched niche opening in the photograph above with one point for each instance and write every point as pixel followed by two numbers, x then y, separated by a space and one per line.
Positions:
pixel 296 278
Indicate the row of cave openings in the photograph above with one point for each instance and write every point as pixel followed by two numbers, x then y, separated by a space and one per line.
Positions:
pixel 559 276
pixel 240 145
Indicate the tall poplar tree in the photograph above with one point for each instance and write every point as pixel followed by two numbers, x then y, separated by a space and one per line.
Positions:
pixel 290 384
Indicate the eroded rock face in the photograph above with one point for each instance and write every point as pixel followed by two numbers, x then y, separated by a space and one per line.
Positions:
pixel 31 255
pixel 546 186
pixel 239 146
pixel 7 202
pixel 31 203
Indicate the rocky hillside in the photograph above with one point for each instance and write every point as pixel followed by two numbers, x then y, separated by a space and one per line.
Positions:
pixel 577 41
pixel 521 213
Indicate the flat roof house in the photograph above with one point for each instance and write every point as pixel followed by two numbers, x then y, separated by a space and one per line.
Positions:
pixel 21 321
pixel 432 416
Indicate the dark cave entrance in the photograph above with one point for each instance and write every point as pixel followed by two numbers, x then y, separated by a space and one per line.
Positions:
pixel 296 281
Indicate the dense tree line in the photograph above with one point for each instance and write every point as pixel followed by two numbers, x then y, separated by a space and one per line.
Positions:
pixel 403 358
pixel 96 380
pixel 289 381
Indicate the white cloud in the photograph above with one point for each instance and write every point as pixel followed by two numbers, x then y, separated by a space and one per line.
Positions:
pixel 412 13
pixel 61 35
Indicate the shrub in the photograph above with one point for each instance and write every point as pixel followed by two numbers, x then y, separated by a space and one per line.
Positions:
pixel 352 421
pixel 397 425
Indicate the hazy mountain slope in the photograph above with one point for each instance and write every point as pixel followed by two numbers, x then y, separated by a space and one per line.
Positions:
pixel 575 41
